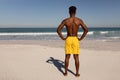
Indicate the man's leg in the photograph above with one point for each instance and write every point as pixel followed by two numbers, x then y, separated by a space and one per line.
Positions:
pixel 67 57
pixel 76 58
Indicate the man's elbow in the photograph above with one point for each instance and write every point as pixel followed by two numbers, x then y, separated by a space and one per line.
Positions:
pixel 86 30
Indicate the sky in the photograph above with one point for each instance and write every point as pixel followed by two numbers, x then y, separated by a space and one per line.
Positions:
pixel 50 13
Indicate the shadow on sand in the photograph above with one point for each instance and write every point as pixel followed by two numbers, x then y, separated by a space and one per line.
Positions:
pixel 58 64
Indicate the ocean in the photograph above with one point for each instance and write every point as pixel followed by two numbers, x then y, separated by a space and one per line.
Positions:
pixel 96 33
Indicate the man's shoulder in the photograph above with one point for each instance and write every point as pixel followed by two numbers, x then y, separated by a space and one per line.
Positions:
pixel 65 20
pixel 79 19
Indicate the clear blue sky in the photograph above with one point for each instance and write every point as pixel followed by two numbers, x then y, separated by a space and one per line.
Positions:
pixel 50 13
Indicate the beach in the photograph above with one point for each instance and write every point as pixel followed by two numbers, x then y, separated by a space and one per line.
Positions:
pixel 33 34
pixel 44 60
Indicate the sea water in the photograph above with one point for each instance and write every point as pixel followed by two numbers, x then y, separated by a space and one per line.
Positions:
pixel 97 33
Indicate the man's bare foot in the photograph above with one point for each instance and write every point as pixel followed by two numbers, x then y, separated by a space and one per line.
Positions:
pixel 77 75
pixel 65 74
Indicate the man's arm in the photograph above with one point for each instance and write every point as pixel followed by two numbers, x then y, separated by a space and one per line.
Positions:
pixel 59 30
pixel 84 27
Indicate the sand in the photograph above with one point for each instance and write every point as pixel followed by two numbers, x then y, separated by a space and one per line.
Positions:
pixel 44 60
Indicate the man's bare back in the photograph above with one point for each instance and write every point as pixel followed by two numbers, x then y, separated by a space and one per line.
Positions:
pixel 72 26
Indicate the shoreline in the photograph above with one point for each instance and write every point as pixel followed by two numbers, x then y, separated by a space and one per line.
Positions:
pixel 85 44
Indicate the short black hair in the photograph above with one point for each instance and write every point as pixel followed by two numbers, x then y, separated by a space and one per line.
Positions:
pixel 72 9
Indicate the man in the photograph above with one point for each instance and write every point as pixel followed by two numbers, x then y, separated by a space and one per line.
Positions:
pixel 72 25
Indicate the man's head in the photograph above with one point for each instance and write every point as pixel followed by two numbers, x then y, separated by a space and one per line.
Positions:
pixel 72 9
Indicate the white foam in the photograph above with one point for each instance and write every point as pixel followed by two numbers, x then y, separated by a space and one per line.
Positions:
pixel 90 33
pixel 4 34
pixel 40 33
pixel 104 32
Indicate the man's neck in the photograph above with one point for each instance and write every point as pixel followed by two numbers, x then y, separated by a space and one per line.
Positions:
pixel 72 15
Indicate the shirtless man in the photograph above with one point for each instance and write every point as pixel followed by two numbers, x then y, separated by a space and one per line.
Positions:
pixel 72 25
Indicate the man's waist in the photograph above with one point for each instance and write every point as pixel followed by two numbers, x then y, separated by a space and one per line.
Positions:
pixel 71 35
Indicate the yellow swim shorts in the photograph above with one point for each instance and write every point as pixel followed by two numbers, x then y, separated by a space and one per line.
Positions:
pixel 72 45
